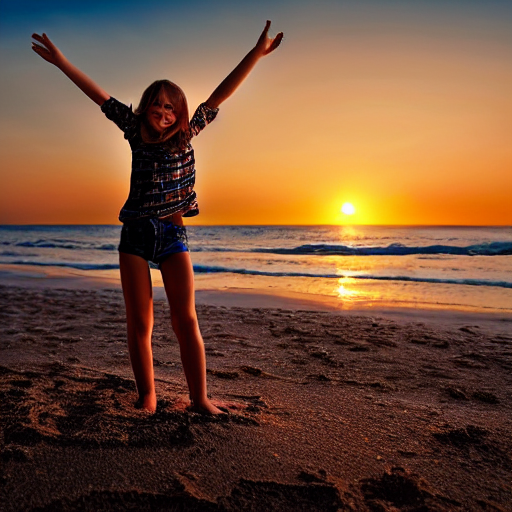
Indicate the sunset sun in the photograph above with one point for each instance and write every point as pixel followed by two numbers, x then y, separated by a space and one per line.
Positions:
pixel 348 209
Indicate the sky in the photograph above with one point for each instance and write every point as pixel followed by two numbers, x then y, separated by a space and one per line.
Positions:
pixel 402 108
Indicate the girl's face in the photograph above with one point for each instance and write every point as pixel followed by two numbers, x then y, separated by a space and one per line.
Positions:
pixel 160 114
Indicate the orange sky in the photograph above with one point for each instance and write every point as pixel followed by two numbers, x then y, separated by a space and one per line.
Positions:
pixel 403 110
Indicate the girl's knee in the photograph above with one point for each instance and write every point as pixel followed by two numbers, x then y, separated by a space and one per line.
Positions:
pixel 139 325
pixel 183 323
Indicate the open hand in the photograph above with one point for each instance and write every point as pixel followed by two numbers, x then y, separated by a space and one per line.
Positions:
pixel 265 44
pixel 46 49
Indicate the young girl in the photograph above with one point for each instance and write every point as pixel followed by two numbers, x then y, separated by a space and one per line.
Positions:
pixel 161 193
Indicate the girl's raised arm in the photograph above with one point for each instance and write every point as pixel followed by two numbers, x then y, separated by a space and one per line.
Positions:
pixel 50 53
pixel 263 47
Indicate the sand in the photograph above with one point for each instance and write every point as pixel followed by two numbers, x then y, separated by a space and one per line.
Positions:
pixel 328 410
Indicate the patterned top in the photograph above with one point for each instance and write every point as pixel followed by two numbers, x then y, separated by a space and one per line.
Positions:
pixel 162 179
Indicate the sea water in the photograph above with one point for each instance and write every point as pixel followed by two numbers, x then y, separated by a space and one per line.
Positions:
pixel 447 267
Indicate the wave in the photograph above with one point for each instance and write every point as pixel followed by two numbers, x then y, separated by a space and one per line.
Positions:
pixel 209 269
pixel 485 249
pixel 395 249
pixel 206 269
pixel 64 244
pixel 77 265
pixel 15 254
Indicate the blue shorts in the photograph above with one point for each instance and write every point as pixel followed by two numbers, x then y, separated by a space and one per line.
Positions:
pixel 153 239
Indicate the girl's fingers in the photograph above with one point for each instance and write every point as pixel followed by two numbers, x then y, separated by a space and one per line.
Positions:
pixel 40 40
pixel 37 37
pixel 47 41
pixel 39 48
pixel 44 40
pixel 264 33
pixel 42 52
pixel 277 40
pixel 268 44
pixel 44 47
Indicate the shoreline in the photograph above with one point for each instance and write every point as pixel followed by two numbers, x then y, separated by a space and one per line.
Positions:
pixel 443 314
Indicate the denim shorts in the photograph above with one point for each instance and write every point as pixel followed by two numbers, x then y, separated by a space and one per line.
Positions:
pixel 153 239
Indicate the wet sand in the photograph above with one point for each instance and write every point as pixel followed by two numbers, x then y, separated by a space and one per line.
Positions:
pixel 380 411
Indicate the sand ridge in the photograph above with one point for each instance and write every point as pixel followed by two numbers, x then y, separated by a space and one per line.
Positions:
pixel 328 411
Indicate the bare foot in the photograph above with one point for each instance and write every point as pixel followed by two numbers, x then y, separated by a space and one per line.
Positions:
pixel 205 407
pixel 229 406
pixel 147 403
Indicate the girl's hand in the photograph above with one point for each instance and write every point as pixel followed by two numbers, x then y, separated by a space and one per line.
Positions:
pixel 47 50
pixel 265 45
pixel 50 53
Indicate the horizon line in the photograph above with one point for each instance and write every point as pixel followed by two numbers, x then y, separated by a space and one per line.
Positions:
pixel 287 225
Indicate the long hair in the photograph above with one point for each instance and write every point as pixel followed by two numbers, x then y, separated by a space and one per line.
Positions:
pixel 178 135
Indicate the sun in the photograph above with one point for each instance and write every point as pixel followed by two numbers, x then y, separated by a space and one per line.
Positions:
pixel 348 209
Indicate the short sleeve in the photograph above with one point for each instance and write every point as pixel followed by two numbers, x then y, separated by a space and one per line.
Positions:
pixel 121 115
pixel 203 115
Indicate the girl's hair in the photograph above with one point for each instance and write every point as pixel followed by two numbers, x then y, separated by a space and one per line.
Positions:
pixel 178 135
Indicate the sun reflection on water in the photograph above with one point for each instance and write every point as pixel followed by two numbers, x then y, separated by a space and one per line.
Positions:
pixel 345 289
pixel 351 291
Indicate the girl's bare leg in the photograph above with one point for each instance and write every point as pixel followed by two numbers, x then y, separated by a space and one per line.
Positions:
pixel 178 277
pixel 138 298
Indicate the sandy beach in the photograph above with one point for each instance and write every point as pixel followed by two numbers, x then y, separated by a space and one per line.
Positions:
pixel 363 411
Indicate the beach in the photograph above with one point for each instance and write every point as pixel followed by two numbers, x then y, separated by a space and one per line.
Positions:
pixel 328 409
pixel 352 259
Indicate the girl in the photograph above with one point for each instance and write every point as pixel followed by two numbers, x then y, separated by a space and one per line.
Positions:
pixel 161 193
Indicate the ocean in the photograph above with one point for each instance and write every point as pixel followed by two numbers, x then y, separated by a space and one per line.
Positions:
pixel 465 268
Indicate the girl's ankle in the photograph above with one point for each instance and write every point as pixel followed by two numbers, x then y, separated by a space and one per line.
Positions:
pixel 146 402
